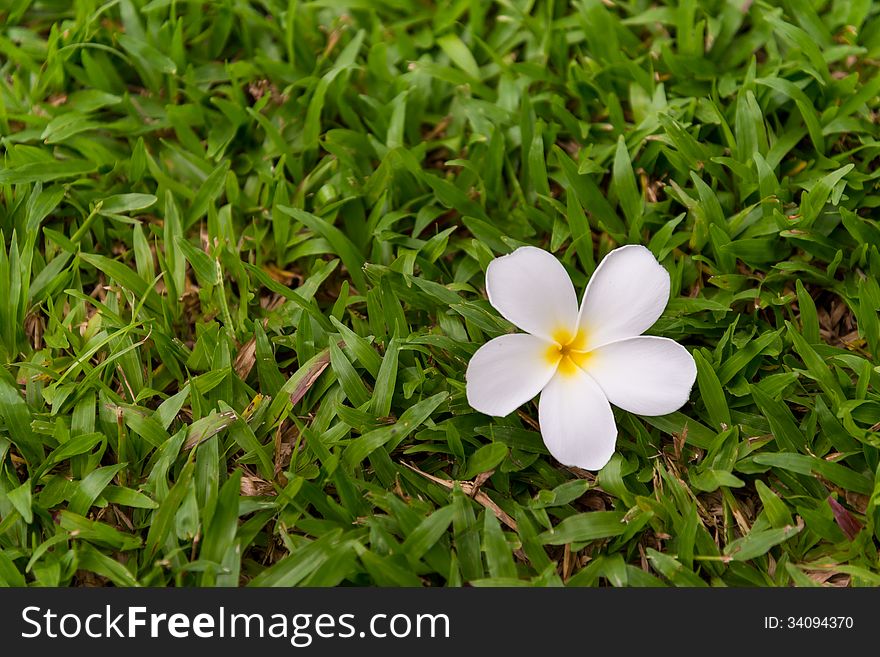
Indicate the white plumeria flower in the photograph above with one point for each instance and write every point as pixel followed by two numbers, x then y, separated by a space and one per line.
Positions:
pixel 580 359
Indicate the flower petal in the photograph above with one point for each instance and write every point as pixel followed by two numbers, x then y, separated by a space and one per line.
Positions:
pixel 507 372
pixel 645 375
pixel 576 421
pixel 624 297
pixel 531 289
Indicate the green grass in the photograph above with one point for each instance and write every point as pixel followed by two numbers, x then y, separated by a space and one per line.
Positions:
pixel 244 246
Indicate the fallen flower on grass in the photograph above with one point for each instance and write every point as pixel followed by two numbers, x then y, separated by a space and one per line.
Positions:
pixel 580 360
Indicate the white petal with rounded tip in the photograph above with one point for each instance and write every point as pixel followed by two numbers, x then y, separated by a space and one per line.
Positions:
pixel 577 424
pixel 507 372
pixel 531 289
pixel 624 297
pixel 646 375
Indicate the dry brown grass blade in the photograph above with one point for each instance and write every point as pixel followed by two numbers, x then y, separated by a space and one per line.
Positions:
pixel 303 387
pixel 679 440
pixel 472 489
pixel 844 519
pixel 254 486
pixel 244 361
pixel 286 439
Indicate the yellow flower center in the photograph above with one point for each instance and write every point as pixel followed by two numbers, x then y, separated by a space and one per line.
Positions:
pixel 568 353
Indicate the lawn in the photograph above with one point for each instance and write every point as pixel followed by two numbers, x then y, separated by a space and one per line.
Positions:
pixel 243 273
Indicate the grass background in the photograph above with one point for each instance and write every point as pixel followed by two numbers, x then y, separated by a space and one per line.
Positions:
pixel 244 246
